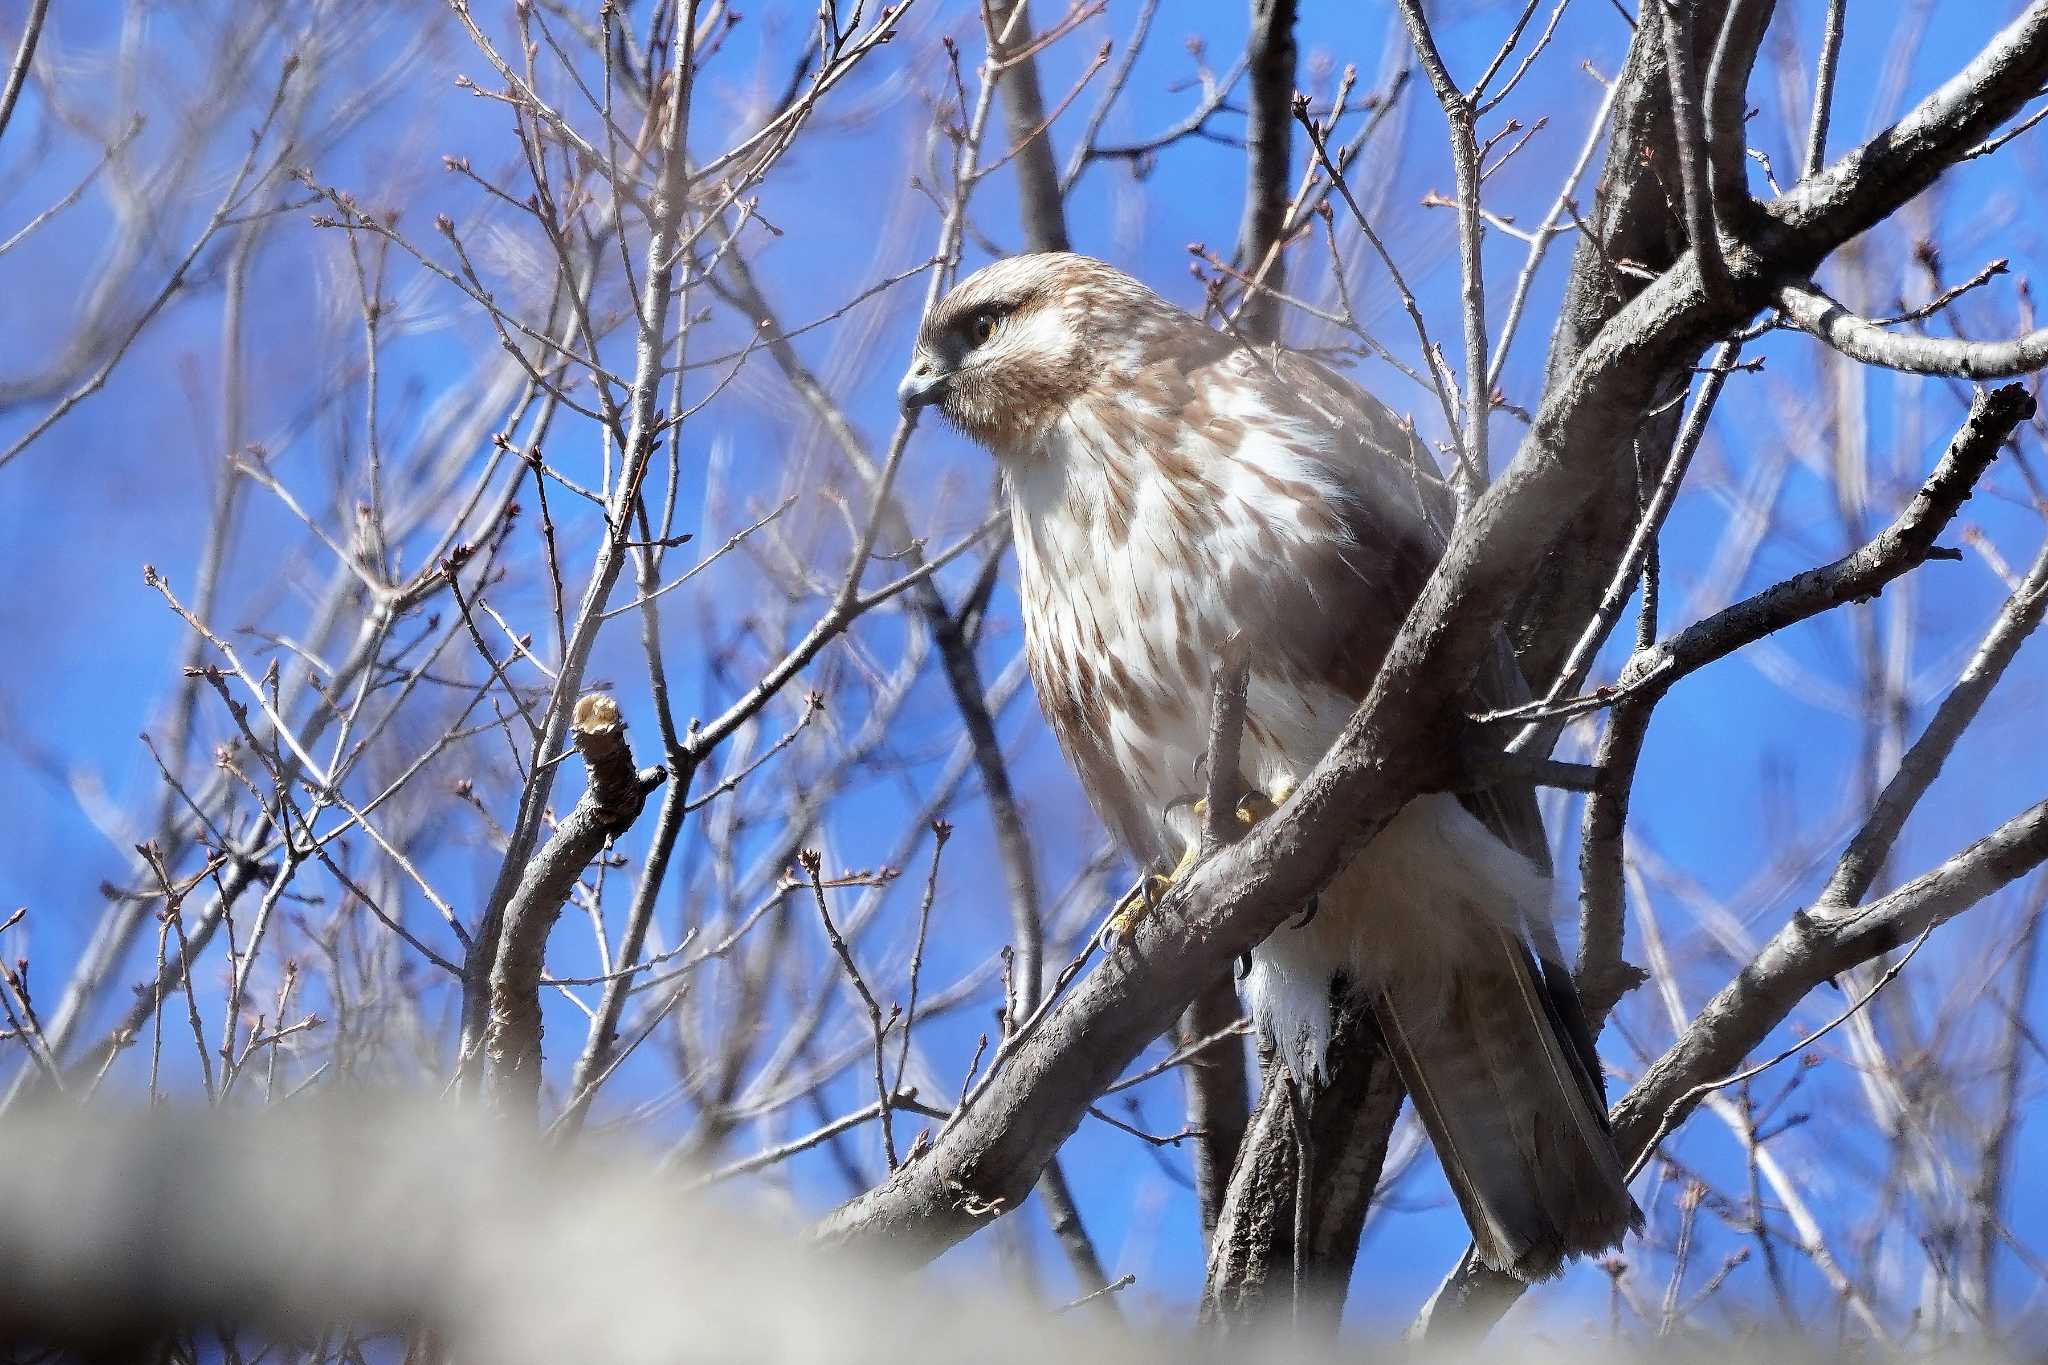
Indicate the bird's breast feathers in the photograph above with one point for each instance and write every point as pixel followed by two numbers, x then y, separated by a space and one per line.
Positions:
pixel 1145 541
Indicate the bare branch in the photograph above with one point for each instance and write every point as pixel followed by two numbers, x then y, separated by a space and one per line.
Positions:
pixel 1817 944
pixel 1865 856
pixel 24 55
pixel 608 806
pixel 1474 465
pixel 1269 57
pixel 1038 181
pixel 1863 340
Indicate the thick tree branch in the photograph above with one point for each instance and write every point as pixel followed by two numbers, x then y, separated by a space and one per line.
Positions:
pixel 1863 188
pixel 1814 946
pixel 1675 20
pixel 1742 33
pixel 1633 221
pixel 1251 1254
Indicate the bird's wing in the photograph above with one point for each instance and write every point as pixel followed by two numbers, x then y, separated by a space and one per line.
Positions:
pixel 1399 514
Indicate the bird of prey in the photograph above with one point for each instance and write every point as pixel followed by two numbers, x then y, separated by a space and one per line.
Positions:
pixel 1173 492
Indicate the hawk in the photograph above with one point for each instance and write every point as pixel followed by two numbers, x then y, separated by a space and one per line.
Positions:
pixel 1172 489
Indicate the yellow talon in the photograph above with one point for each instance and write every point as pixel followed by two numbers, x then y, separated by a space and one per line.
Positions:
pixel 1257 805
pixel 1139 900
pixel 1123 921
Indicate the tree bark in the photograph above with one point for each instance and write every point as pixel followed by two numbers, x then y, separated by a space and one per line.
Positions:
pixel 1250 1281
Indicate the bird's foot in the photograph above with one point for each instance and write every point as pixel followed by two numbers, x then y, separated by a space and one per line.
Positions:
pixel 1257 805
pixel 1139 901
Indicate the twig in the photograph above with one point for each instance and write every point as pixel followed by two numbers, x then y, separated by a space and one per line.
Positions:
pixel 1824 89
pixel 902 1099
pixel 1474 467
pixel 231 200
pixel 1122 1282
pixel 24 54
pixel 812 862
pixel 941 831
pixel 1685 1103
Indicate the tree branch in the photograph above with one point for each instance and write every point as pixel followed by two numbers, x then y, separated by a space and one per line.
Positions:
pixel 1218 1095
pixel 1863 340
pixel 671 194
pixel 1349 1125
pixel 1815 945
pixel 1861 861
pixel 1742 33
pixel 24 56
pixel 1674 20
pixel 1038 179
pixel 1475 465
pixel 1902 546
pixel 607 808
pixel 1269 129
pixel 1634 220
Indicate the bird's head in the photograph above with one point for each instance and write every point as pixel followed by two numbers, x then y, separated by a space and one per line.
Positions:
pixel 1015 343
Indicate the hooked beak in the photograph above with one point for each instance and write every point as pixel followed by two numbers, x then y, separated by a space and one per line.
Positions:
pixel 922 386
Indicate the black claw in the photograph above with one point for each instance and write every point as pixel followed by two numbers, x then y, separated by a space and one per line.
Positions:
pixel 1308 912
pixel 1244 965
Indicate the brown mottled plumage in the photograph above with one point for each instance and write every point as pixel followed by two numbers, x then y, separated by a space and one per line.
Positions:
pixel 1171 488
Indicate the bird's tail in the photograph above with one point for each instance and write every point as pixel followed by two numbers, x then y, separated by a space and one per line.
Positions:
pixel 1431 924
pixel 1497 1062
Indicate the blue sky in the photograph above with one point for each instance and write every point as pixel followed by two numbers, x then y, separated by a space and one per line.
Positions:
pixel 1747 764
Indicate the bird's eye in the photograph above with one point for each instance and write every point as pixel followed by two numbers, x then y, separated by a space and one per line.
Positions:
pixel 982 327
